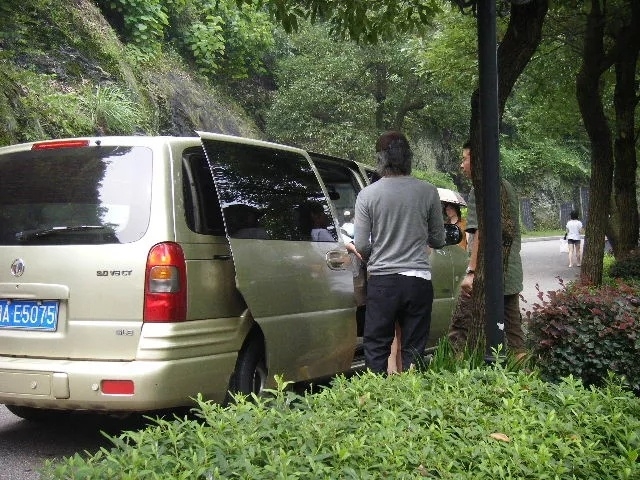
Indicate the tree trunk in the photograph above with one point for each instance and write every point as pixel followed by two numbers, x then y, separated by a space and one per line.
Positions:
pixel 625 102
pixel 518 45
pixel 410 103
pixel 380 93
pixel 589 95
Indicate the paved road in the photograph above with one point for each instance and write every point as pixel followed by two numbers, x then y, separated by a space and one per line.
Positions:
pixel 545 266
pixel 24 446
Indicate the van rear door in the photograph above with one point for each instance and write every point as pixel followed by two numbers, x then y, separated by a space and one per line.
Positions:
pixel 73 214
pixel 281 229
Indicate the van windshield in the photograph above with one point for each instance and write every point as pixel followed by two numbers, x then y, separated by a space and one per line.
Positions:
pixel 71 196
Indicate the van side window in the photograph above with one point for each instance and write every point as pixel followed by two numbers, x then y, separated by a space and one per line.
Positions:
pixel 343 186
pixel 201 206
pixel 267 193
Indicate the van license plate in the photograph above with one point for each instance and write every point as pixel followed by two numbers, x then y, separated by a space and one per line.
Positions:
pixel 29 315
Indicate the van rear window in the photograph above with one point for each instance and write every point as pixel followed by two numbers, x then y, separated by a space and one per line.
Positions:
pixel 92 195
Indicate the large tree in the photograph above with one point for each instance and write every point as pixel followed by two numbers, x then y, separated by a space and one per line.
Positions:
pixel 611 40
pixel 625 104
pixel 335 96
pixel 519 43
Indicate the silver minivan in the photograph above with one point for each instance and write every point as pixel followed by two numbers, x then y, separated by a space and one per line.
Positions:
pixel 137 272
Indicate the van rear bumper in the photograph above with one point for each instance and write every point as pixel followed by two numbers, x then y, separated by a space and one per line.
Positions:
pixel 76 385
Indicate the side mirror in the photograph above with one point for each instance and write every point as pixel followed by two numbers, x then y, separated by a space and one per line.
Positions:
pixel 453 234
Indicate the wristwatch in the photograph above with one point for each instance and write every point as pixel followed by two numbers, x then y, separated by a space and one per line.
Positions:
pixel 469 271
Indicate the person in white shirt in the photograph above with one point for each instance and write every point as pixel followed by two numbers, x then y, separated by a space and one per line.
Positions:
pixel 574 238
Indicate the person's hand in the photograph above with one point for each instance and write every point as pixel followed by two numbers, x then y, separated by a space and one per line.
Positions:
pixel 352 249
pixel 467 285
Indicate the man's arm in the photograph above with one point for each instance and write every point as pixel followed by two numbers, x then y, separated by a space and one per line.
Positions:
pixel 362 229
pixel 472 227
pixel 467 282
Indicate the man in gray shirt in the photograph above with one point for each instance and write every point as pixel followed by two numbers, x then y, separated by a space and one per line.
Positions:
pixel 396 219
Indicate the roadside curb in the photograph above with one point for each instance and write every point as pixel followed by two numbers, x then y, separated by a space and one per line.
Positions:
pixel 539 239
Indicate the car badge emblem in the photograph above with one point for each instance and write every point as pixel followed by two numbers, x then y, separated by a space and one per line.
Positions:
pixel 17 267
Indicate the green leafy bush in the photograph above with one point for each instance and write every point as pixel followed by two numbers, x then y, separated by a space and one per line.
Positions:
pixel 484 423
pixel 607 262
pixel 143 21
pixel 627 268
pixel 588 332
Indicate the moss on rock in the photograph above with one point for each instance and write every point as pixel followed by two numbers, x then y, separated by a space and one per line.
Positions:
pixel 64 72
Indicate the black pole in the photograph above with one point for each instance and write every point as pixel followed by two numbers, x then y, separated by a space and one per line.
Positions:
pixel 492 228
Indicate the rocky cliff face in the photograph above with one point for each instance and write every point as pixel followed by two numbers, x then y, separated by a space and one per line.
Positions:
pixel 64 72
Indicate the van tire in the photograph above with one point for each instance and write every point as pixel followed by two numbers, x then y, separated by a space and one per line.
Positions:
pixel 251 368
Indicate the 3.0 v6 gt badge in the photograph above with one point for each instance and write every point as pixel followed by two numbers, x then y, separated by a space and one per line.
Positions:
pixel 114 273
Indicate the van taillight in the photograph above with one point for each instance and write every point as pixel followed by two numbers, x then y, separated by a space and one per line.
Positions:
pixel 53 144
pixel 165 289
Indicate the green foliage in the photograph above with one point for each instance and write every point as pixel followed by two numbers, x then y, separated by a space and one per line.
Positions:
pixel 447 60
pixel 19 22
pixel 538 157
pixel 112 111
pixel 439 179
pixel 324 100
pixel 367 21
pixel 54 111
pixel 143 21
pixel 483 423
pixel 207 43
pixel 221 37
pixel 228 40
pixel 546 171
pixel 65 73
pixel 627 268
pixel 544 102
pixel 541 233
pixel 607 261
pixel 588 332
pixel 337 96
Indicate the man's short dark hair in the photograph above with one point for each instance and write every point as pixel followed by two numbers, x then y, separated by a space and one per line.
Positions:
pixel 467 145
pixel 394 154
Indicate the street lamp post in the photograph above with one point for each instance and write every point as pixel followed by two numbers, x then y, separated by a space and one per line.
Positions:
pixel 489 131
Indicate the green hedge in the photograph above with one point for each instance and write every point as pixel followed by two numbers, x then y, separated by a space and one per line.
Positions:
pixel 627 268
pixel 484 423
pixel 588 332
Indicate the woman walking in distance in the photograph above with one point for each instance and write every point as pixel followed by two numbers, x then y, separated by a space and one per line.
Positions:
pixel 574 237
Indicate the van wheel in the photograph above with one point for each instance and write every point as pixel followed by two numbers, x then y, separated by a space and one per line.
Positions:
pixel 251 370
pixel 35 414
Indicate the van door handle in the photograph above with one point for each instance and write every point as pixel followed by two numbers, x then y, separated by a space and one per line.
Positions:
pixel 222 257
pixel 337 259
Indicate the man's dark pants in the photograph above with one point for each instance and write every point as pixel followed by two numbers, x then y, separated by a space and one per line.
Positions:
pixel 405 299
